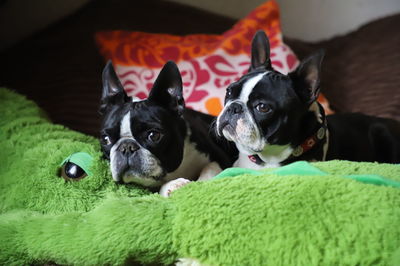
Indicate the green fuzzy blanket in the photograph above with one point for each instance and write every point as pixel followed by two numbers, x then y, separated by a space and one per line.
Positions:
pixel 330 213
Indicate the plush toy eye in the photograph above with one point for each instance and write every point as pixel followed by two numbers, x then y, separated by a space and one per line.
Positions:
pixel 262 108
pixel 71 171
pixel 76 166
pixel 106 139
pixel 154 136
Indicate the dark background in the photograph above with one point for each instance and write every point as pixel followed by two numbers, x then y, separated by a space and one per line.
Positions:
pixel 60 67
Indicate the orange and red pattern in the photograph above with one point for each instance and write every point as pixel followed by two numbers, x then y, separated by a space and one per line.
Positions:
pixel 208 63
pixel 152 50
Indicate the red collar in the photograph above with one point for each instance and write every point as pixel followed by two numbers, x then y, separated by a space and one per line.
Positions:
pixel 310 142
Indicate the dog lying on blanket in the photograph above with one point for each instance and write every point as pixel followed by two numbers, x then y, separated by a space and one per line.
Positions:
pixel 157 142
pixel 274 119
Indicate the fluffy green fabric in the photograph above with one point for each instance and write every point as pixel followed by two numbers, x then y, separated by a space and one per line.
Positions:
pixel 301 168
pixel 259 218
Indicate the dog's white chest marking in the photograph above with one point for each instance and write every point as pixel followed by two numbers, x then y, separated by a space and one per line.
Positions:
pixel 272 155
pixel 195 165
pixel 192 163
pixel 209 171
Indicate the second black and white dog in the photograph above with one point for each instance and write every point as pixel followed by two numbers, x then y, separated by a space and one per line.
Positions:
pixel 153 141
pixel 275 119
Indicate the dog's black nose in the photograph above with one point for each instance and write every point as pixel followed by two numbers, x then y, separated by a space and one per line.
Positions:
pixel 128 147
pixel 235 108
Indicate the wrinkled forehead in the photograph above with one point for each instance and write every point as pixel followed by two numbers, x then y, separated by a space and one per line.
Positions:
pixel 147 112
pixel 137 112
pixel 256 84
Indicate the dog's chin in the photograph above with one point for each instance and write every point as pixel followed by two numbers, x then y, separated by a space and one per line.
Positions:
pixel 246 148
pixel 143 180
pixel 148 177
pixel 244 144
pixel 229 133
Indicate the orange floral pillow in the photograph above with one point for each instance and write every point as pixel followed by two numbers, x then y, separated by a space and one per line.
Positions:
pixel 208 63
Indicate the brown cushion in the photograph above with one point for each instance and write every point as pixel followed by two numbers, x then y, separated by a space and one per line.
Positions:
pixel 361 70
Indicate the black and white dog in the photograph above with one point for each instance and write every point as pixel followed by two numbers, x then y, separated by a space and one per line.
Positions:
pixel 156 140
pixel 274 119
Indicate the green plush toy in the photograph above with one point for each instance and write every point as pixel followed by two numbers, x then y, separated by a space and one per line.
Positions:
pixel 58 204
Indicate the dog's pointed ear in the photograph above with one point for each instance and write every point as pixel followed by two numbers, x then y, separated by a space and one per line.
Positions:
pixel 260 52
pixel 167 89
pixel 307 76
pixel 113 91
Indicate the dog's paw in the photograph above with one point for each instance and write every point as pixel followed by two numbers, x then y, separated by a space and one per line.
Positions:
pixel 188 262
pixel 167 188
pixel 209 171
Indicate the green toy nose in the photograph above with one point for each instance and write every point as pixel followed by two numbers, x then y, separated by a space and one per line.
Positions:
pixel 76 166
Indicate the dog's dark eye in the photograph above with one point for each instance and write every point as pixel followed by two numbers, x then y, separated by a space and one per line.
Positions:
pixel 106 139
pixel 228 92
pixel 71 171
pixel 154 136
pixel 263 108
